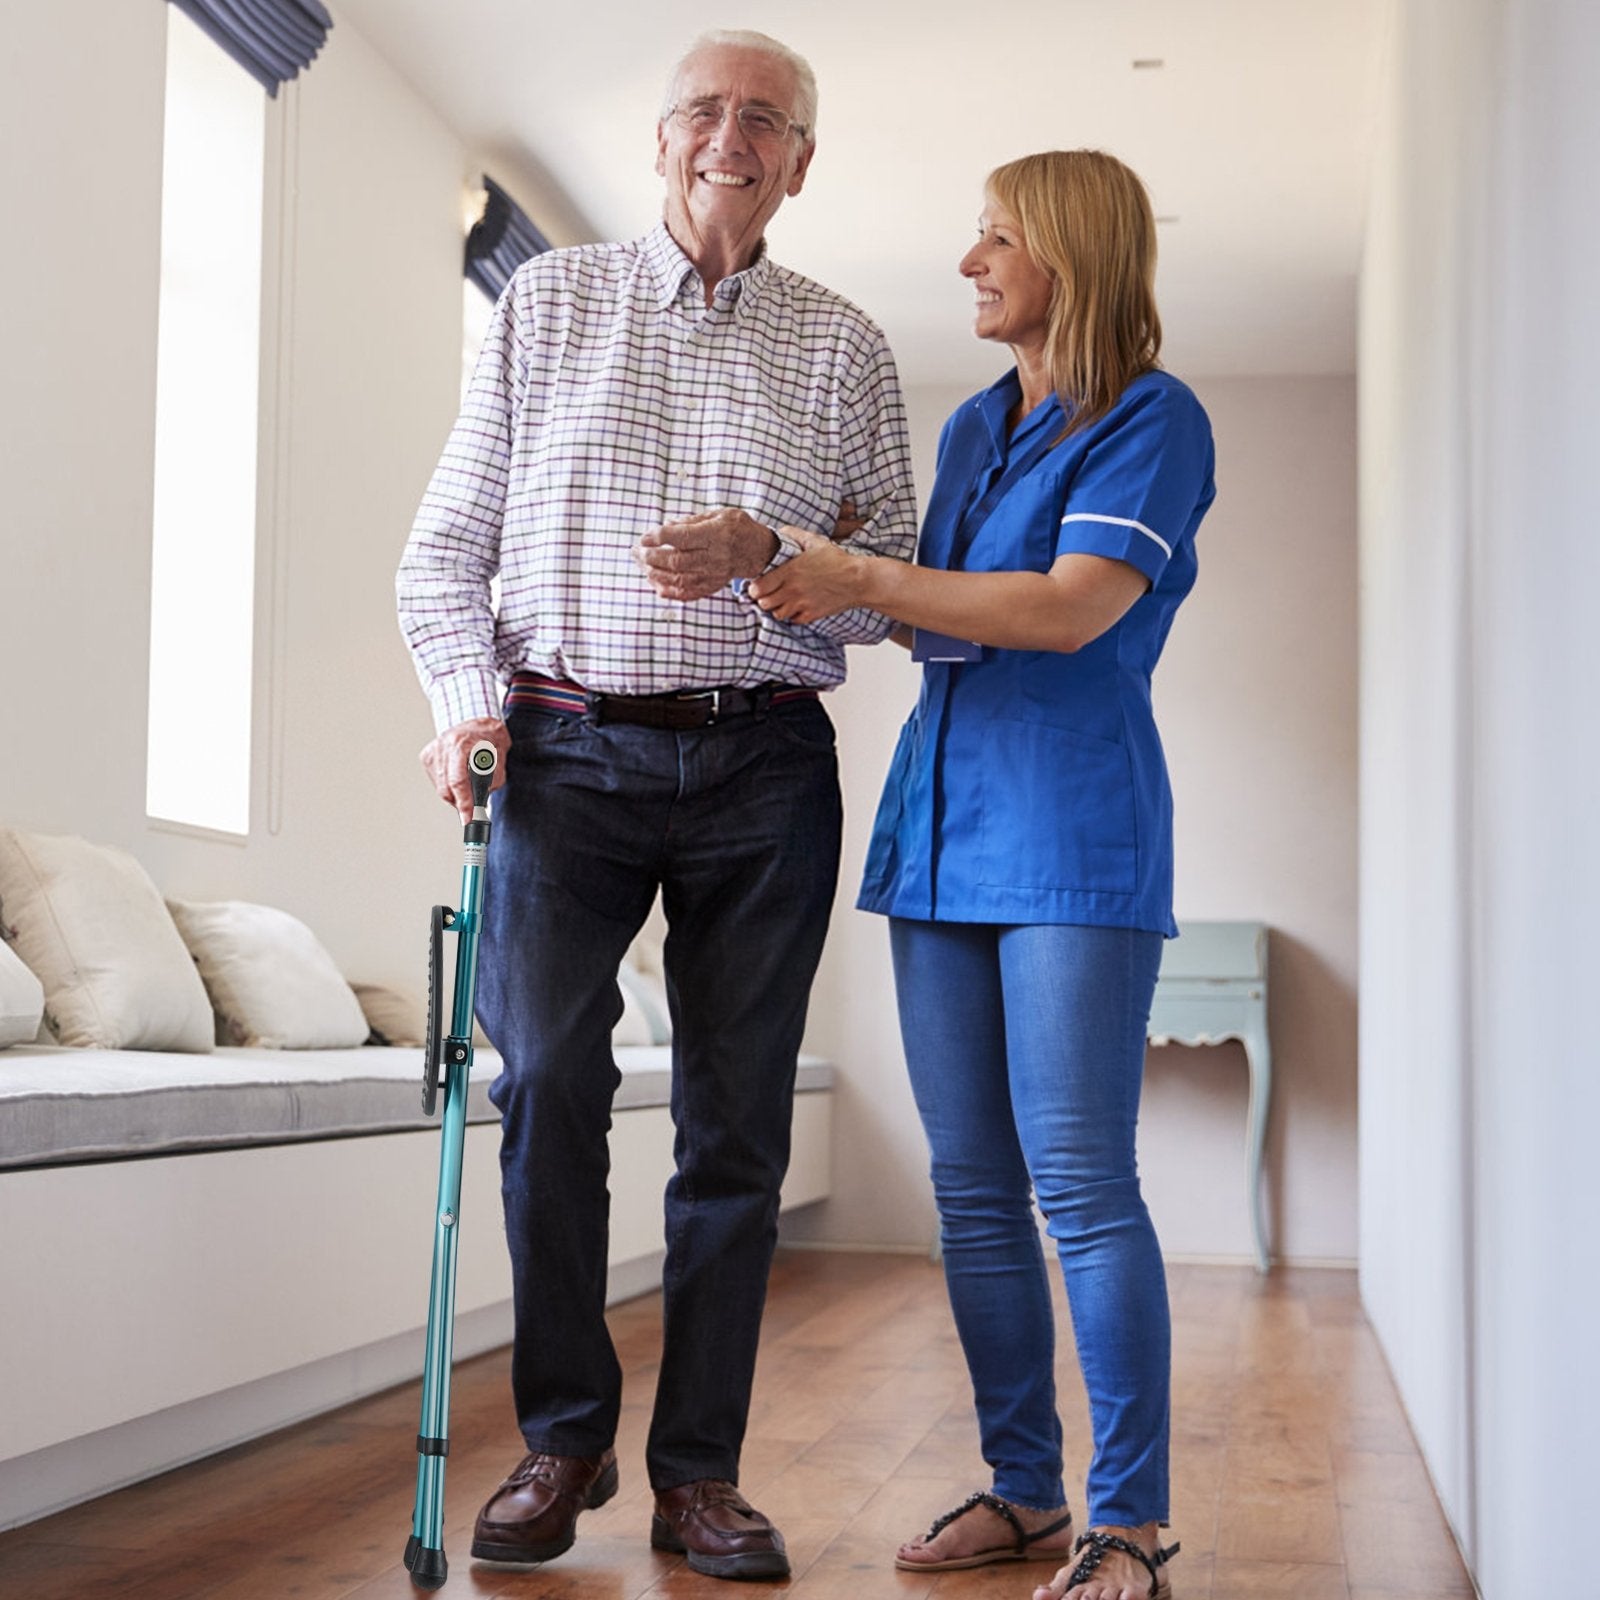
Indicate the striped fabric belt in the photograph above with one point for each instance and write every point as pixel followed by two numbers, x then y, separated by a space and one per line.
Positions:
pixel 677 710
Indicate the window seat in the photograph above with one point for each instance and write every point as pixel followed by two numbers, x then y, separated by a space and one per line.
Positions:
pixel 197 1249
pixel 59 1105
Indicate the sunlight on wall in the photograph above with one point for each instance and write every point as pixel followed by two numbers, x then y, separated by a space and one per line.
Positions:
pixel 208 360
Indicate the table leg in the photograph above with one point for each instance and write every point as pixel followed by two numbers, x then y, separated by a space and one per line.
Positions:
pixel 1258 1056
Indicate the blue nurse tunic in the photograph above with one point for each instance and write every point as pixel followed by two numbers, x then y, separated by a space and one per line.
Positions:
pixel 1030 785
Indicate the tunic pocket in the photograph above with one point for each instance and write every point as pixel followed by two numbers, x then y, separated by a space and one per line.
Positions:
pixel 1058 811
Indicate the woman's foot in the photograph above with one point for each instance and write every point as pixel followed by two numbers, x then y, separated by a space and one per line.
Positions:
pixel 1104 1572
pixel 984 1529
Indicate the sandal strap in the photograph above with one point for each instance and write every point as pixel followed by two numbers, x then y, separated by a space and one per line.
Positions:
pixel 1064 1521
pixel 982 1497
pixel 1100 1543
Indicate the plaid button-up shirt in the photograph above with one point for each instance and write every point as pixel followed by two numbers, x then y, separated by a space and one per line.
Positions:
pixel 608 399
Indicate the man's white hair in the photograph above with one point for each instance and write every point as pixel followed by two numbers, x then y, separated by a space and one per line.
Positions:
pixel 804 110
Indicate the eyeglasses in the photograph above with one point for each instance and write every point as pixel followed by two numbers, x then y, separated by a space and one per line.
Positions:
pixel 757 122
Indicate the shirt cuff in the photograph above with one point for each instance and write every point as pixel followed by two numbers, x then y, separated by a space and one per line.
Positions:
pixel 788 549
pixel 464 696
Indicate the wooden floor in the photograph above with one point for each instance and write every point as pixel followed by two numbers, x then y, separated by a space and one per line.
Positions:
pixel 1295 1475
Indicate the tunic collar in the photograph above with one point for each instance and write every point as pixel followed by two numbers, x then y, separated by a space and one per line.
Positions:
pixel 996 403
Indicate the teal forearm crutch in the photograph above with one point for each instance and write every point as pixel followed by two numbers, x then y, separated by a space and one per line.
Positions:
pixel 449 1058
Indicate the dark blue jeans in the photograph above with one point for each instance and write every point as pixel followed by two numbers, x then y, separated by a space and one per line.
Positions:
pixel 738 826
pixel 1026 1052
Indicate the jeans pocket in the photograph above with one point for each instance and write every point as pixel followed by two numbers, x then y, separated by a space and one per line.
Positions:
pixel 804 724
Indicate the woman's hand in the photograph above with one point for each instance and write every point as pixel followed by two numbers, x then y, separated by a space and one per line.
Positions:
pixel 820 583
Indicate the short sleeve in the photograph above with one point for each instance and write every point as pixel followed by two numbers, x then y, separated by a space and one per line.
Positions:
pixel 1143 481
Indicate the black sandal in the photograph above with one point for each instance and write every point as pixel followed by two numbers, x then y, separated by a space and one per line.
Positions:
pixel 1017 1550
pixel 1100 1543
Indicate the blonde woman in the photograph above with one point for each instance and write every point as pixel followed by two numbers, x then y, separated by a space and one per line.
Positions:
pixel 1023 852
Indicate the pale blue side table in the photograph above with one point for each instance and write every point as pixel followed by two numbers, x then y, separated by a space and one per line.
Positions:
pixel 1213 987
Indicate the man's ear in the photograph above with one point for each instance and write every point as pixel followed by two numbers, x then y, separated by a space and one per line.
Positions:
pixel 661 149
pixel 798 181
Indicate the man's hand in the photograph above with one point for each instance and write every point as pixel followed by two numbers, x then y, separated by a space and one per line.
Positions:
pixel 693 558
pixel 445 758
pixel 847 524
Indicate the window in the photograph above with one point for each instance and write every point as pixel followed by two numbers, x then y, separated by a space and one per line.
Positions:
pixel 476 309
pixel 202 598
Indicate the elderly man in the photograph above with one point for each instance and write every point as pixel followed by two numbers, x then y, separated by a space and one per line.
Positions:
pixel 643 419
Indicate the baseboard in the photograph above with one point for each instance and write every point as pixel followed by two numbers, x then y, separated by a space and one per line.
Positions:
pixel 1180 1258
pixel 63 1475
pixel 1172 1258
pixel 66 1474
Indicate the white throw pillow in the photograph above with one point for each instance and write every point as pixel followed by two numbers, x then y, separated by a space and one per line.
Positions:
pixel 21 998
pixel 270 980
pixel 396 1019
pixel 634 1025
pixel 90 925
pixel 644 987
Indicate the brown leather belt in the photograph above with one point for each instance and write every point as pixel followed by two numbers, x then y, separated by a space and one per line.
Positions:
pixel 676 711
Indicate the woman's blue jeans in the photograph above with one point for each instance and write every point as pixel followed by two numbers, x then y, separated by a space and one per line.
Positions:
pixel 1026 1052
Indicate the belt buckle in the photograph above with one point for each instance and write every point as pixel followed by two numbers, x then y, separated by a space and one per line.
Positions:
pixel 699 698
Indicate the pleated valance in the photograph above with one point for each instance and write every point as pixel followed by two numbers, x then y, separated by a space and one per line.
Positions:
pixel 271 39
pixel 500 241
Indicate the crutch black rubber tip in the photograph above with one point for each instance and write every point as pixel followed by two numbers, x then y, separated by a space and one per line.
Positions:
pixel 413 1544
pixel 430 1569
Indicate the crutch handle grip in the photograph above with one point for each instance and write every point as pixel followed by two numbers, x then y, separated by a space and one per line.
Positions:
pixel 483 760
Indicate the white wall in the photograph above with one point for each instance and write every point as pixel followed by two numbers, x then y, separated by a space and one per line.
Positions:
pixel 1480 337
pixel 1256 699
pixel 1254 695
pixel 80 177
pixel 364 277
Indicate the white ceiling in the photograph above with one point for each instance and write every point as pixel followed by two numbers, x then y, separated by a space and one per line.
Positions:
pixel 1254 138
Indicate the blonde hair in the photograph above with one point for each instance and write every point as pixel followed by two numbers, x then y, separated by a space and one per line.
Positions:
pixel 1086 220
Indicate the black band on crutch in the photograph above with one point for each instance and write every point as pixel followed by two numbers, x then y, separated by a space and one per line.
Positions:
pixel 442 917
pixel 447 1063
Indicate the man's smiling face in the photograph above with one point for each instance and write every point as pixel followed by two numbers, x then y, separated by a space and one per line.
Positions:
pixel 722 182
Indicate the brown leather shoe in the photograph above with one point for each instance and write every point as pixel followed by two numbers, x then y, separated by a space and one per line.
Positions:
pixel 533 1514
pixel 717 1528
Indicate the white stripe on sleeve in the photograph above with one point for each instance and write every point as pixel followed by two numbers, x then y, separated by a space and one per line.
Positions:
pixel 1121 522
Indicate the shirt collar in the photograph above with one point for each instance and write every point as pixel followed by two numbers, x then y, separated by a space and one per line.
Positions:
pixel 670 267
